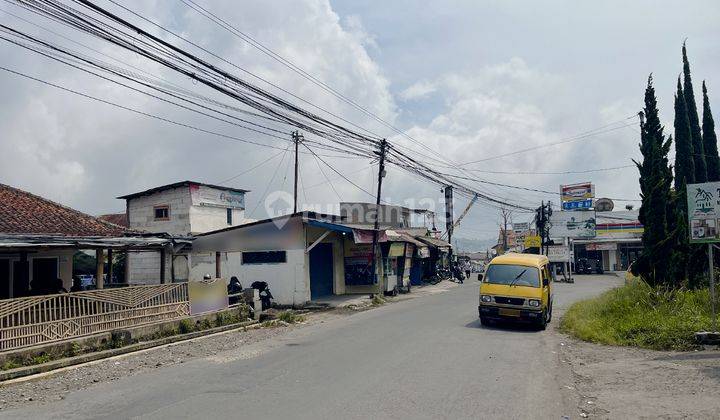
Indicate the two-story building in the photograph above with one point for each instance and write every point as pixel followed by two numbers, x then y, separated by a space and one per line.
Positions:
pixel 182 209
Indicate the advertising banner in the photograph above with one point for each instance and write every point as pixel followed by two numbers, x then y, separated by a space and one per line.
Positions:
pixel 207 296
pixel 572 224
pixel 532 242
pixel 558 253
pixel 202 195
pixel 577 192
pixel 521 228
pixel 611 246
pixel 703 211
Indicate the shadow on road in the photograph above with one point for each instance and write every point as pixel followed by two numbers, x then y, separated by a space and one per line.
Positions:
pixel 503 326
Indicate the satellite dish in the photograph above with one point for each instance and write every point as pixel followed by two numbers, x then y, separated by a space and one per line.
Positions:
pixel 604 204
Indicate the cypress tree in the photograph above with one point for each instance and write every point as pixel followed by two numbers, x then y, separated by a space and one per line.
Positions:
pixel 684 165
pixel 710 139
pixel 698 150
pixel 655 181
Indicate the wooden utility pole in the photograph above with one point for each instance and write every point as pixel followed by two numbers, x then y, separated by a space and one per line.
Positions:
pixel 297 138
pixel 376 227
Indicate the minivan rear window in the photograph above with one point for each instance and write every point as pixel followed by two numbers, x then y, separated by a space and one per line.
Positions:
pixel 518 275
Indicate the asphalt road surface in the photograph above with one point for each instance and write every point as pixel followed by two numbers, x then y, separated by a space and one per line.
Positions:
pixel 420 358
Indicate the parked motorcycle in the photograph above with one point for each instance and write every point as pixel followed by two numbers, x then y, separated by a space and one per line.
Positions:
pixel 264 292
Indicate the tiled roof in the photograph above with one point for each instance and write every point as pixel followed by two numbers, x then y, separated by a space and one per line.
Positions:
pixel 24 213
pixel 119 219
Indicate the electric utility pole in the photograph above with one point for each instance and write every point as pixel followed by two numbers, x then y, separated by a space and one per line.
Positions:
pixel 297 138
pixel 381 175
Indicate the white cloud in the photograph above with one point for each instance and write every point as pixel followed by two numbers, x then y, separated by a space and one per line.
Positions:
pixel 418 90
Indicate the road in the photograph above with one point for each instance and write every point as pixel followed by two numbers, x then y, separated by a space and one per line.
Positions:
pixel 420 358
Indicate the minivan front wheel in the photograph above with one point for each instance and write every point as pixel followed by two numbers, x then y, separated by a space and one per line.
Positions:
pixel 542 323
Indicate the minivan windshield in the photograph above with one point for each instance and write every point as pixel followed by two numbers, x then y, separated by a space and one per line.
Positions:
pixel 518 275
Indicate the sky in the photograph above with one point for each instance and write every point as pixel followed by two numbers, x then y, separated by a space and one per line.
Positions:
pixel 465 80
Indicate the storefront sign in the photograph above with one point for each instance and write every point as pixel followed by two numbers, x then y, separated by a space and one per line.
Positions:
pixel 202 195
pixel 703 211
pixel 577 205
pixel 397 249
pixel 558 253
pixel 207 296
pixel 612 246
pixel 532 242
pixel 572 224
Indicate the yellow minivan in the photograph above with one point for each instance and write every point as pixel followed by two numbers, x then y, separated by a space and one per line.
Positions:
pixel 517 287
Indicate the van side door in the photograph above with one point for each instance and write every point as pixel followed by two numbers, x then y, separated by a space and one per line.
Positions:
pixel 546 285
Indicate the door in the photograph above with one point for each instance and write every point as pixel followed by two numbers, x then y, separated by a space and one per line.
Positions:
pixel 4 279
pixel 44 276
pixel 321 271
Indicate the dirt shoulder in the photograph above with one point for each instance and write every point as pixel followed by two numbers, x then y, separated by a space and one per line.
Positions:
pixel 624 382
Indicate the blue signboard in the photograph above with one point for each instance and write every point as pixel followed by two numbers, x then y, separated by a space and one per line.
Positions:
pixel 577 205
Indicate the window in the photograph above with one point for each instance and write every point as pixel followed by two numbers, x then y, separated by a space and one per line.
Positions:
pixel 264 257
pixel 162 212
pixel 229 216
pixel 512 274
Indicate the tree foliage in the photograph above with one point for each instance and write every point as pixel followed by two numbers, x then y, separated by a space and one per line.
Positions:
pixel 710 139
pixel 692 114
pixel 655 182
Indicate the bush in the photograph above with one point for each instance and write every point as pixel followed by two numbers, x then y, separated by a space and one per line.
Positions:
pixel 10 364
pixel 639 315
pixel 290 317
pixel 186 326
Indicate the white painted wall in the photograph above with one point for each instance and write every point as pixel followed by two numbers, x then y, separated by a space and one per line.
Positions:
pixel 288 282
pixel 207 218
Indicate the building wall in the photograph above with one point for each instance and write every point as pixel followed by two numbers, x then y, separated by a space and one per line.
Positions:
pixel 207 218
pixel 144 267
pixel 141 212
pixel 364 213
pixel 289 282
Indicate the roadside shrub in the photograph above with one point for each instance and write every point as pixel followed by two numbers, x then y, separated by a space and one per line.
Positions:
pixel 39 359
pixel 186 326
pixel 290 317
pixel 639 315
pixel 10 364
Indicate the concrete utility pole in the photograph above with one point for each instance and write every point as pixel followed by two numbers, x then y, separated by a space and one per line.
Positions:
pixel 297 138
pixel 381 175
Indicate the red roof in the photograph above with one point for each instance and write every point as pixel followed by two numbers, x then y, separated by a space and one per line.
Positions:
pixel 22 213
pixel 119 219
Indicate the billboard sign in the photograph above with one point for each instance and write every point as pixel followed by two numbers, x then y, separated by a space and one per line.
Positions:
pixel 521 228
pixel 577 192
pixel 532 242
pixel 572 224
pixel 703 211
pixel 558 253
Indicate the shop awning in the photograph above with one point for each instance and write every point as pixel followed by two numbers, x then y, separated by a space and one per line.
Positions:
pixel 330 226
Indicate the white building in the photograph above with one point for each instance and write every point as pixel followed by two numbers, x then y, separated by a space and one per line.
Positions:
pixel 182 209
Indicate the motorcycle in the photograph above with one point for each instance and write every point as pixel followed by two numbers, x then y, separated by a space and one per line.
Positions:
pixel 264 292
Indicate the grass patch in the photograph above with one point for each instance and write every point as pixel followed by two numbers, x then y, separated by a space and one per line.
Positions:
pixel 638 315
pixel 290 317
pixel 378 300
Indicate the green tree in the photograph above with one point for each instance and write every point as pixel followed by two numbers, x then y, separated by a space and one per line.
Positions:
pixel 684 166
pixel 710 139
pixel 655 182
pixel 698 150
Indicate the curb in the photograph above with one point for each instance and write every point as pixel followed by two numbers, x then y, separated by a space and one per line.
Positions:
pixel 48 367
